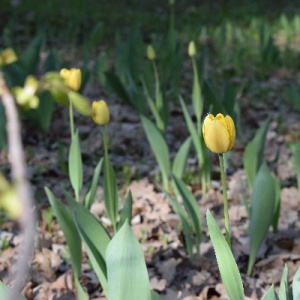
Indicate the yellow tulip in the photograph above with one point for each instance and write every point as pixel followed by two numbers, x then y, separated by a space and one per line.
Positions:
pixel 219 133
pixel 72 78
pixel 100 112
pixel 7 56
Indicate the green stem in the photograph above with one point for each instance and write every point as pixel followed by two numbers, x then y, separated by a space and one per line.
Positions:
pixel 71 119
pixel 225 200
pixel 104 138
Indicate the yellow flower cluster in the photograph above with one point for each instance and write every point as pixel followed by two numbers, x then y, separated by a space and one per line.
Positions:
pixel 7 56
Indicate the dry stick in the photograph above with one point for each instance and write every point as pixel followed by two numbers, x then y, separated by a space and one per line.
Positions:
pixel 27 219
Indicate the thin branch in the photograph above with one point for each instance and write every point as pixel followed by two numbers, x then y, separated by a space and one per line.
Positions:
pixel 27 219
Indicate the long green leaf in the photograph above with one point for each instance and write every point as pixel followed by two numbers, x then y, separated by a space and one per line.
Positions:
pixel 253 155
pixel 297 163
pixel 191 126
pixel 277 204
pixel 69 229
pixel 228 268
pixel 94 236
pixel 180 159
pixel 262 210
pixel 5 291
pixel 296 285
pixel 75 165
pixel 185 225
pixel 271 294
pixel 126 269
pixel 192 207
pixel 159 148
pixel 110 192
pixel 91 192
pixel 126 213
pixel 284 284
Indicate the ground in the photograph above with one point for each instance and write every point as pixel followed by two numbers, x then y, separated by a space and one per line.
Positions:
pixel 172 273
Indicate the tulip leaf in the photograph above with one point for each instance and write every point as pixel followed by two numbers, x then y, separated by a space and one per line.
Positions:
pixel 80 291
pixel 126 269
pixel 126 213
pixel 297 163
pixel 5 291
pixel 159 148
pixel 253 155
pixel 192 207
pixel 75 165
pixel 89 228
pixel 110 191
pixel 155 296
pixel 179 162
pixel 91 192
pixel 191 127
pixel 30 58
pixel 276 205
pixel 69 229
pixel 271 294
pixel 262 210
pixel 185 225
pixel 284 284
pixel 227 266
pixel 296 285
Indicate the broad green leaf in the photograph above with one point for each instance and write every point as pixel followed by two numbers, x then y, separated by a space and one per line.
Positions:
pixel 271 294
pixel 284 284
pixel 42 115
pixel 118 88
pixel 185 225
pixel 192 207
pixel 159 148
pixel 5 291
pixel 296 285
pixel 110 192
pixel 126 213
pixel 297 163
pixel 180 159
pixel 126 269
pixel 75 165
pixel 262 210
pixel 69 229
pixel 94 236
pixel 227 266
pixel 30 58
pixel 253 155
pixel 191 127
pixel 91 192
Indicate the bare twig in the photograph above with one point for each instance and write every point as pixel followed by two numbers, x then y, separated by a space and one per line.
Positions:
pixel 27 219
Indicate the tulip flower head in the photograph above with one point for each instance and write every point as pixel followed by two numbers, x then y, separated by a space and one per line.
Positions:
pixel 151 52
pixel 100 112
pixel 72 78
pixel 219 133
pixel 192 49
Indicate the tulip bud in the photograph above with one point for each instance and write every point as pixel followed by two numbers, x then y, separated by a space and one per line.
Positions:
pixel 219 133
pixel 192 49
pixel 72 78
pixel 151 52
pixel 100 112
pixel 7 56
